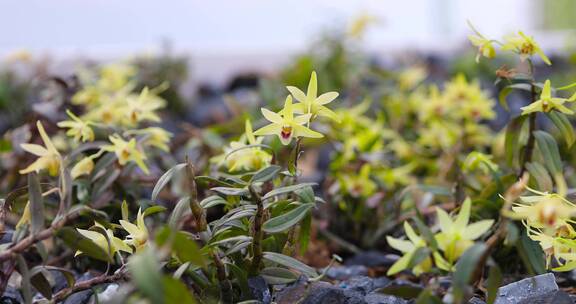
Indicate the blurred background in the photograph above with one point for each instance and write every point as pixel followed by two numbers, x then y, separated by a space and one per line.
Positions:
pixel 222 38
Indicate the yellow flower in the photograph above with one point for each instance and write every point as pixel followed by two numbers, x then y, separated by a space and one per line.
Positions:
pixel 138 234
pixel 126 151
pixel 239 157
pixel 143 107
pixel 547 103
pixel 409 248
pixel 113 77
pixel 411 77
pixel 476 160
pixel 456 236
pixel 543 210
pixel 359 185
pixel 310 103
pixel 78 128
pixel 156 137
pixel 99 239
pixel 49 158
pixel 83 167
pixel 285 125
pixel 525 46
pixel 485 45
pixel 359 25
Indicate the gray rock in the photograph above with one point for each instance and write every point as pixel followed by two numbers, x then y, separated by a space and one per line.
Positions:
pixel 259 289
pixel 109 293
pixel 361 284
pixel 554 297
pixel 527 289
pixel 324 293
pixel 379 298
pixel 345 272
pixel 372 259
pixel 476 300
pixel 11 296
pixel 292 293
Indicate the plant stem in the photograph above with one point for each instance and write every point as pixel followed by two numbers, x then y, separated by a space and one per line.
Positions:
pixel 197 210
pixel 225 285
pixel 257 233
pixel 88 284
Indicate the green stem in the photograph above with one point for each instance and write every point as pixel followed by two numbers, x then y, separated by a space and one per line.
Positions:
pixel 197 210
pixel 257 232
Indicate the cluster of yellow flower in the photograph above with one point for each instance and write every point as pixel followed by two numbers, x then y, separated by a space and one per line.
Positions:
pixel 520 43
pixel 547 217
pixel 110 106
pixel 246 153
pixel 454 238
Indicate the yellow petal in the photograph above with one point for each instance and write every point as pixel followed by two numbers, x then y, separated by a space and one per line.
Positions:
pixel 297 93
pixel 546 91
pixel 463 215
pixel 301 131
pixel 270 129
pixel 46 139
pixel 475 230
pixel 34 149
pixel 271 116
pixel 326 98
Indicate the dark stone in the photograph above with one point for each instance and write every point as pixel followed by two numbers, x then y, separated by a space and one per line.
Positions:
pixel 372 259
pixel 361 284
pixel 292 293
pixel 379 298
pixel 380 282
pixel 11 296
pixel 59 281
pixel 324 293
pixel 259 289
pixel 554 297
pixel 529 288
pixel 81 297
pixel 476 300
pixel 345 272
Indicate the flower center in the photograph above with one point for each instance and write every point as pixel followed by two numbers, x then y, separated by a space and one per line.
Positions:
pixel 286 132
pixel 527 48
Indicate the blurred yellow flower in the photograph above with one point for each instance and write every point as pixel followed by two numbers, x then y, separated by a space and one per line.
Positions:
pixel 79 129
pixel 99 239
pixel 138 234
pixel 83 167
pixel 525 46
pixel 409 248
pixel 126 151
pixel 154 136
pixel 49 158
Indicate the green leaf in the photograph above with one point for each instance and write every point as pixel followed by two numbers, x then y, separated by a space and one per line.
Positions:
pixel 465 269
pixel 277 275
pixel 540 174
pixel 505 91
pixel 39 281
pixel 426 234
pixel 211 201
pixel 287 189
pixel 306 195
pixel 531 254
pixel 426 297
pixel 304 234
pixel 241 277
pixel 180 209
pixel 266 174
pixel 562 123
pixel 494 282
pixel 145 273
pixel 76 241
pixel 287 220
pixel 153 210
pixel 125 212
pixel 185 248
pixel 25 282
pixel 164 179
pixel 175 291
pixel 418 257
pixel 511 141
pixel 230 191
pixel 36 203
pixel 549 149
pixel 290 262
